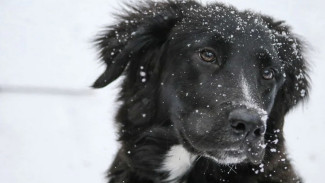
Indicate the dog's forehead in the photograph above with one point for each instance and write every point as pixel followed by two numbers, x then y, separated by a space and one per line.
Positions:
pixel 245 29
pixel 224 20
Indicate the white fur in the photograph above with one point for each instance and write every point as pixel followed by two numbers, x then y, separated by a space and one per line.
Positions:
pixel 247 93
pixel 226 160
pixel 249 100
pixel 177 162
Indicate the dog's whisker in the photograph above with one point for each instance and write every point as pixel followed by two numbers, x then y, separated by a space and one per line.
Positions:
pixel 199 157
pixel 231 169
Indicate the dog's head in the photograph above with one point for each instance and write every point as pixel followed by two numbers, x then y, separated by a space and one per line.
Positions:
pixel 223 78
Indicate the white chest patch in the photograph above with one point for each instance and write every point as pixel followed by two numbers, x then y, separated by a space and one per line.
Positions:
pixel 177 162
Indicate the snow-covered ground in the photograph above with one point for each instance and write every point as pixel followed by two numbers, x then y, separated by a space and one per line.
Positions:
pixel 68 135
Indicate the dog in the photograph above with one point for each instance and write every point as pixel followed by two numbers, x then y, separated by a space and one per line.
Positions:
pixel 204 94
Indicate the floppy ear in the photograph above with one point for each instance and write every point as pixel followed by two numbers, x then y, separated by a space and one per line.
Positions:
pixel 141 29
pixel 296 86
pixel 291 52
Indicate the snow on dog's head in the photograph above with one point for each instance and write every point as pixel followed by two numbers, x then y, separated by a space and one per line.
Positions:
pixel 223 79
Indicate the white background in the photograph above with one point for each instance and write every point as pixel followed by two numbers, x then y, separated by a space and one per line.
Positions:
pixel 69 136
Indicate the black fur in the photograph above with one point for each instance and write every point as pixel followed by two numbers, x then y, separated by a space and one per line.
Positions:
pixel 171 96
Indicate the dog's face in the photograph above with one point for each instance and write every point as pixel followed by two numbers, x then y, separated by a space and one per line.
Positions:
pixel 220 87
pixel 220 74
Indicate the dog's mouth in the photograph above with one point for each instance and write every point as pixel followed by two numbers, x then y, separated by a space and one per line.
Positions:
pixel 246 152
pixel 227 156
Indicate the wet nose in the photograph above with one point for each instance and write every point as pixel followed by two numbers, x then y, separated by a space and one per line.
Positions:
pixel 246 123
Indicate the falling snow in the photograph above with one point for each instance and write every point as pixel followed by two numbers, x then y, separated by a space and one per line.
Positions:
pixel 12 25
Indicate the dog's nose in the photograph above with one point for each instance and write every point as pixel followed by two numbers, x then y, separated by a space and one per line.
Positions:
pixel 246 123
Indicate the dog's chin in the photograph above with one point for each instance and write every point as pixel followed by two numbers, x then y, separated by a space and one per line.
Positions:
pixel 226 157
pixel 249 153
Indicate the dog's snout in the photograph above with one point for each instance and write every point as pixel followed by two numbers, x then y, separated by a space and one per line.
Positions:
pixel 246 123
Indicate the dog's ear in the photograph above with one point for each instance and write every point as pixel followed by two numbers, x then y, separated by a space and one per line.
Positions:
pixel 141 28
pixel 295 67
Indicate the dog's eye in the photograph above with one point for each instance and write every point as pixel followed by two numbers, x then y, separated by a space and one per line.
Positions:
pixel 268 74
pixel 208 55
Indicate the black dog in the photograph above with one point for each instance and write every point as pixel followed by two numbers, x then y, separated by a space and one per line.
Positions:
pixel 205 93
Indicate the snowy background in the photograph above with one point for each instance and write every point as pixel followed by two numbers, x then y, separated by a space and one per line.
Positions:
pixel 54 128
